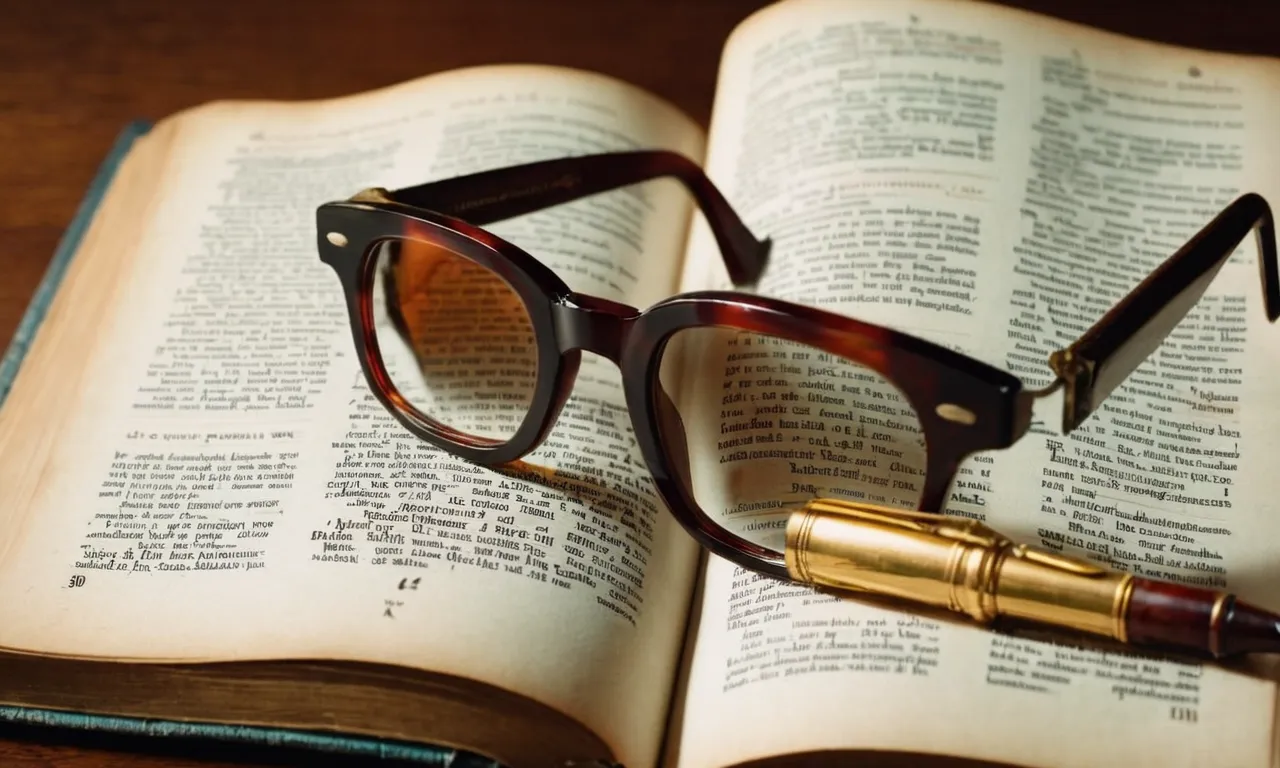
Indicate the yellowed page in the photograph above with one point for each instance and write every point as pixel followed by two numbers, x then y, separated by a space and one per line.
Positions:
pixel 989 181
pixel 222 485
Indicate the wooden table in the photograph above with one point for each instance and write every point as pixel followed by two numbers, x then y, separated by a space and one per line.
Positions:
pixel 70 79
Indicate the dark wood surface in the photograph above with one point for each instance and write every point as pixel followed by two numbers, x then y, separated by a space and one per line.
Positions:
pixel 72 74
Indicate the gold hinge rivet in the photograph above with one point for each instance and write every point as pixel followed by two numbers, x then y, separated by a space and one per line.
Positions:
pixel 337 238
pixel 957 414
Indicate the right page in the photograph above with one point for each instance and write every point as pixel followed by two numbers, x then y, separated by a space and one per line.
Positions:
pixel 994 181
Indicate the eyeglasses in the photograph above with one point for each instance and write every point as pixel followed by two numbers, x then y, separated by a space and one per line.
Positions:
pixel 741 404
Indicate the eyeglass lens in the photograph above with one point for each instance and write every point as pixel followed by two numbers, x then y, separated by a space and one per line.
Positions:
pixel 454 337
pixel 768 423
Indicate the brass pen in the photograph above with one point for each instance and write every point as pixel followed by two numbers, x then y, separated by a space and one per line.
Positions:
pixel 964 566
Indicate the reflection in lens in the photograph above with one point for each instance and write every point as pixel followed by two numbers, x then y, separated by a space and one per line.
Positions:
pixel 454 337
pixel 758 425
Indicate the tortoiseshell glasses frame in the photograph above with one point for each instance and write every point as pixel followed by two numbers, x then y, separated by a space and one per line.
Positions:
pixel 964 405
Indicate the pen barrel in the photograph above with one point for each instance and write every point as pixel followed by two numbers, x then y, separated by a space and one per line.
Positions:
pixel 951 563
pixel 884 552
pixel 1183 617
pixel 1047 588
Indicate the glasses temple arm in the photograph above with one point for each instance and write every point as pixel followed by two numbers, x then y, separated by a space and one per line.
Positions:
pixel 1095 364
pixel 483 198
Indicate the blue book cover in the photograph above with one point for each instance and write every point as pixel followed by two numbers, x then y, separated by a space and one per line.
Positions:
pixel 25 720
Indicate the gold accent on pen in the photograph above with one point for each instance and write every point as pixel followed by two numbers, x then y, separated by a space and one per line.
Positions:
pixel 954 563
pixel 1215 624
pixel 1122 612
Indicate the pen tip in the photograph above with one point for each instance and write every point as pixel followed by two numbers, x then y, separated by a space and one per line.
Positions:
pixel 1249 629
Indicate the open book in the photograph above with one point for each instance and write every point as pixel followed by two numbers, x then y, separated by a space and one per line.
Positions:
pixel 205 516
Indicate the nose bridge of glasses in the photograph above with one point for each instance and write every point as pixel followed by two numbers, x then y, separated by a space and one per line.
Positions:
pixel 593 324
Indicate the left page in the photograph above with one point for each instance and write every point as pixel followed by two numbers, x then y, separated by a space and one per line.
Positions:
pixel 220 484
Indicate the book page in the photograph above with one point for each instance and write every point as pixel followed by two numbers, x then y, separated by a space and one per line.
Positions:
pixel 991 182
pixel 224 485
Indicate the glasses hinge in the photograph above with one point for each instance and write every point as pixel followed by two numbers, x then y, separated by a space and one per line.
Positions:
pixel 1076 374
